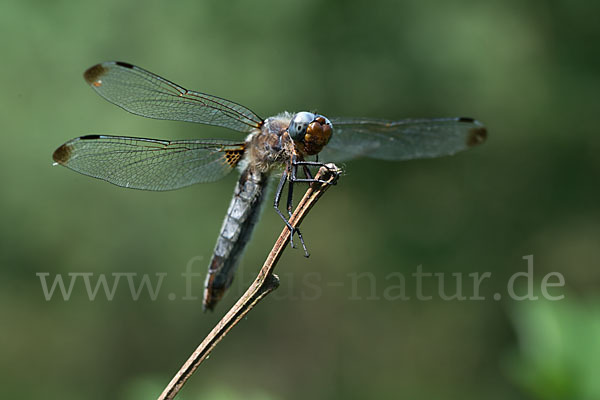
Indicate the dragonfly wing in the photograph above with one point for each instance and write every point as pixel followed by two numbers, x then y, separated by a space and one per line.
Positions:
pixel 147 163
pixel 144 93
pixel 401 140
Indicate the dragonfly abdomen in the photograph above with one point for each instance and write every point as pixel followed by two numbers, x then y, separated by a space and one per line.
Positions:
pixel 236 230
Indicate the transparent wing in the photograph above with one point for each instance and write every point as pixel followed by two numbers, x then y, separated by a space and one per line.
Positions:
pixel 144 93
pixel 147 163
pixel 401 140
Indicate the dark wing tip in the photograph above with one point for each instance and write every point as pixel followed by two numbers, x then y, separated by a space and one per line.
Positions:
pixel 93 75
pixel 62 154
pixel 476 136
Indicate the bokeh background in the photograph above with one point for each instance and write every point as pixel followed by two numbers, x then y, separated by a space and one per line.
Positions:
pixel 527 69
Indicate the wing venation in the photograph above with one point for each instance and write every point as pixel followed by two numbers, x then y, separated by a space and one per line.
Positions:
pixel 143 93
pixel 401 140
pixel 150 164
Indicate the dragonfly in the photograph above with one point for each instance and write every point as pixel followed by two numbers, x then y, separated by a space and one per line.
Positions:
pixel 282 144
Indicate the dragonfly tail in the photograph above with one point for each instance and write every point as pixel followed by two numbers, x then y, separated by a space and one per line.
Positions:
pixel 236 231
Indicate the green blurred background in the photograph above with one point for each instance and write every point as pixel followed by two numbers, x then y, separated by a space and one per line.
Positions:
pixel 528 69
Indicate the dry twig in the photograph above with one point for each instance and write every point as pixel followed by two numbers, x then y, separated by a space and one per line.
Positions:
pixel 264 284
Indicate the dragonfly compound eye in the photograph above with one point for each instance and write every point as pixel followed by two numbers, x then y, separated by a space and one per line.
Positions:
pixel 299 125
pixel 317 135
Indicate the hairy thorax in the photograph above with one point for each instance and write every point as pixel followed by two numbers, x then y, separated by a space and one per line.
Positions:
pixel 271 147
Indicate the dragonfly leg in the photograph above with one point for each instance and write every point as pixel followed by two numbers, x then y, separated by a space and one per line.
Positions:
pixel 293 230
pixel 309 178
pixel 307 172
pixel 290 205
pixel 276 205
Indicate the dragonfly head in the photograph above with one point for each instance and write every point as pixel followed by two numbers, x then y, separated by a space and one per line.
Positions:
pixel 311 131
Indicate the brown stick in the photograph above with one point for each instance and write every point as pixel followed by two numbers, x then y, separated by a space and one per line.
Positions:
pixel 264 284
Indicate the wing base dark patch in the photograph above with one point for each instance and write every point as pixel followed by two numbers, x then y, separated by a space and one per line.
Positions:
pixel 233 157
